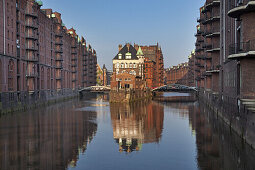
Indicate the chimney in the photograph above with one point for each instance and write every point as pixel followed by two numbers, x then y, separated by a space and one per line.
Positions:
pixel 120 47
pixel 128 46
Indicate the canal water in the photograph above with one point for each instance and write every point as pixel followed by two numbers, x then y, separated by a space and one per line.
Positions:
pixel 92 134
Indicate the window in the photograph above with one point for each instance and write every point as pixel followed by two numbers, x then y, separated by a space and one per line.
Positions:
pixel 122 65
pixel 130 65
pixel 132 72
pixel 120 56
pixel 11 75
pixel 126 65
pixel 42 78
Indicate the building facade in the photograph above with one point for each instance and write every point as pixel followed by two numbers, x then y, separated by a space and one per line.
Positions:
pixel 154 65
pixel 178 74
pixel 224 61
pixel 39 57
pixel 128 68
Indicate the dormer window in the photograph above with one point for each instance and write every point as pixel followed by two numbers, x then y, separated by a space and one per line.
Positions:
pixel 128 55
pixel 120 56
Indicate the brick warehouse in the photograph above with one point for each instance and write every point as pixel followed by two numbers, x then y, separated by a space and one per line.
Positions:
pixel 225 64
pixel 40 59
pixel 178 74
pixel 154 65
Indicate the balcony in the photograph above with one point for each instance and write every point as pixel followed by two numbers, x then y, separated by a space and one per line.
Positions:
pixel 31 48
pixel 31 36
pixel 212 32
pixel 59 58
pixel 199 49
pixel 74 71
pixel 58 77
pixel 74 52
pixel 214 3
pixel 31 14
pixel 213 69
pixel 59 50
pixel 241 7
pixel 213 18
pixel 32 75
pixel 59 66
pixel 198 33
pixel 74 59
pixel 59 42
pixel 74 65
pixel 213 48
pixel 74 46
pixel 242 50
pixel 58 35
pixel 31 58
pixel 31 25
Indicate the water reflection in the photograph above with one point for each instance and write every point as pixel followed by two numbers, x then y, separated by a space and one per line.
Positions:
pixel 156 135
pixel 218 147
pixel 50 138
pixel 136 124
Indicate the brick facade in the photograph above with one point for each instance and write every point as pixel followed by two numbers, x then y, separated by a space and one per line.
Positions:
pixel 38 53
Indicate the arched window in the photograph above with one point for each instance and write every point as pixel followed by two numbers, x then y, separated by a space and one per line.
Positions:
pixel 11 75
pixel 48 78
pixel 42 78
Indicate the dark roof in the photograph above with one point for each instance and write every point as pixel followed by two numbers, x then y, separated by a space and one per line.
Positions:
pixel 125 50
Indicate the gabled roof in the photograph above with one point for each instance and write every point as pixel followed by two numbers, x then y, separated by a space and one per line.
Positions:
pixel 125 50
pixel 139 52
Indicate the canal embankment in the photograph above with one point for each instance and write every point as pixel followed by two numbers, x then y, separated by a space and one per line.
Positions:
pixel 129 96
pixel 237 116
pixel 21 101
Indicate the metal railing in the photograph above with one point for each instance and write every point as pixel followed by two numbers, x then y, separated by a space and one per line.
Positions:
pixel 238 3
pixel 242 47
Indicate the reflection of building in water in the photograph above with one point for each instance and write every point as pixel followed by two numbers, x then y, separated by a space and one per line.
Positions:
pixel 136 124
pixel 217 147
pixel 50 138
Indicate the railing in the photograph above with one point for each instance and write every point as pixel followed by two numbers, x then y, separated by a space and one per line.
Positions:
pixel 58 34
pixel 242 47
pixel 32 47
pixel 59 50
pixel 31 24
pixel 59 66
pixel 31 36
pixel 59 42
pixel 59 58
pixel 31 13
pixel 238 3
pixel 31 58
pixel 32 74
pixel 211 30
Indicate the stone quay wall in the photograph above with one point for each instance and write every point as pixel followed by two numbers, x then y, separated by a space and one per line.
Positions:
pixel 234 113
pixel 18 101
pixel 129 96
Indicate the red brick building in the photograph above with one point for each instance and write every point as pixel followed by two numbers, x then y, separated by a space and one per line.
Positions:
pixel 128 69
pixel 178 74
pixel 224 61
pixel 39 55
pixel 155 62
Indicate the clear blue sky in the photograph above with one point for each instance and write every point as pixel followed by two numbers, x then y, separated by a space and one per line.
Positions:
pixel 107 23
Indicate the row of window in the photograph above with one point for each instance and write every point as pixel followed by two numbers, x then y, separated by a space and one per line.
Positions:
pixel 126 65
pixel 132 72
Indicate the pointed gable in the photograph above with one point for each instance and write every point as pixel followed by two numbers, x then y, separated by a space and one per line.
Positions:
pixel 127 50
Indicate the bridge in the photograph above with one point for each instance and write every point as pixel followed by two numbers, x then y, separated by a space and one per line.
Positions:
pixel 175 88
pixel 95 89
